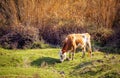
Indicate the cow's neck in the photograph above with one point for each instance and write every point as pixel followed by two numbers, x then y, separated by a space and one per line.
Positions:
pixel 65 48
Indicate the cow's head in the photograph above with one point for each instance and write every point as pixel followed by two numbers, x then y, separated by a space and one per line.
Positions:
pixel 62 55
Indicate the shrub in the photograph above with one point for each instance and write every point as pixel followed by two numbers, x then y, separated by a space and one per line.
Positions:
pixel 101 35
pixel 19 37
pixel 4 30
pixel 41 44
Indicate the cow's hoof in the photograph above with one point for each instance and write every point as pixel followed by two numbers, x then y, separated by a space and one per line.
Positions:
pixel 68 59
pixel 82 56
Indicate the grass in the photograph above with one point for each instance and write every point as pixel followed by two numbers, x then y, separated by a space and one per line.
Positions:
pixel 44 63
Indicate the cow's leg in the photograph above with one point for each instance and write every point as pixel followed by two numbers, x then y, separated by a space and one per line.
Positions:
pixel 73 51
pixel 83 50
pixel 89 48
pixel 69 55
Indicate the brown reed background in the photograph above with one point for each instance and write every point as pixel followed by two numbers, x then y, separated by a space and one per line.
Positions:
pixel 52 20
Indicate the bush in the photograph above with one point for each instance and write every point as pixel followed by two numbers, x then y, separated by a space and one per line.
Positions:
pixel 102 35
pixel 40 45
pixel 19 37
pixel 4 30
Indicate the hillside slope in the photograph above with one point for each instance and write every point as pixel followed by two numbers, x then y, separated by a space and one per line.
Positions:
pixel 44 63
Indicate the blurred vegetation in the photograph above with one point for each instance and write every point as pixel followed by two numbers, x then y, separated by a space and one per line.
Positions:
pixel 23 23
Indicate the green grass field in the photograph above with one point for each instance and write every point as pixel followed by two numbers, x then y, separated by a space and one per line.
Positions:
pixel 44 63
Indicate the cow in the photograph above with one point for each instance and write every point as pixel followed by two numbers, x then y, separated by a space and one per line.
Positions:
pixel 73 41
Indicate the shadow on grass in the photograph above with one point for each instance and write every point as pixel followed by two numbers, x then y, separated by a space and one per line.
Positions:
pixel 45 61
pixel 81 65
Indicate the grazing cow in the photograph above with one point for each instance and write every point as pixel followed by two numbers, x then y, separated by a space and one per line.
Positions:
pixel 73 41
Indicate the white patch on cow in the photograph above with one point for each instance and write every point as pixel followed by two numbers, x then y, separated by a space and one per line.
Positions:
pixel 62 56
pixel 85 39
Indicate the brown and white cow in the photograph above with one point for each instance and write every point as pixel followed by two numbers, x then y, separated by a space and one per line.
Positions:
pixel 73 41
